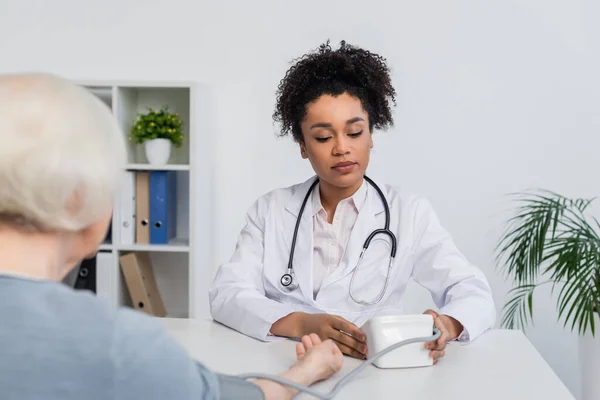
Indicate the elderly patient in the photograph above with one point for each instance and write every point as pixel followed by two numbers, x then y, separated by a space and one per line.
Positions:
pixel 61 154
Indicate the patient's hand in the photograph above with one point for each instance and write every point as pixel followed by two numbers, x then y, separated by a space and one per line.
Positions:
pixel 316 361
pixel 319 359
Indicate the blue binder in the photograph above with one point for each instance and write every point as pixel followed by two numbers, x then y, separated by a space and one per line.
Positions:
pixel 163 206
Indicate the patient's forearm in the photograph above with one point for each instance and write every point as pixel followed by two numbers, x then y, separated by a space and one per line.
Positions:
pixel 273 390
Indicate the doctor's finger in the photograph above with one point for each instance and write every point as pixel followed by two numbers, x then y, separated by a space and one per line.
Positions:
pixel 349 341
pixel 440 343
pixel 443 332
pixel 349 351
pixel 436 355
pixel 341 324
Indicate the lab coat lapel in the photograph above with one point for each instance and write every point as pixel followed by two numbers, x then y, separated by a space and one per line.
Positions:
pixel 303 252
pixel 366 222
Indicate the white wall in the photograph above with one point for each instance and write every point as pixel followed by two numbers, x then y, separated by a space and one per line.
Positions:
pixel 493 97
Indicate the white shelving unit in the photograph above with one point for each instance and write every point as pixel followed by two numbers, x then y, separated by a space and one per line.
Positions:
pixel 182 266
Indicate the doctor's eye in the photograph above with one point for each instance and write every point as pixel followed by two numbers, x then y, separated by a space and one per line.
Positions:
pixel 357 134
pixel 322 139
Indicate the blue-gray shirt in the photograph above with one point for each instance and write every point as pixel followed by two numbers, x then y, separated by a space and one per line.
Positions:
pixel 58 343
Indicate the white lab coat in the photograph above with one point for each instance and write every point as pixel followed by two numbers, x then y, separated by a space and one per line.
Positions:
pixel 246 294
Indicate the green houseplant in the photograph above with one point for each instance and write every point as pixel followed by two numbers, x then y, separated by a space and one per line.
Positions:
pixel 158 130
pixel 552 240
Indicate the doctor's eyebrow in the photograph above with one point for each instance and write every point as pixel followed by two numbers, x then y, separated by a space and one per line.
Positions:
pixel 328 125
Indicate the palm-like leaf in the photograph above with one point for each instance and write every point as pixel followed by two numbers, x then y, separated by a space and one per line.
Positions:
pixel 550 236
pixel 519 309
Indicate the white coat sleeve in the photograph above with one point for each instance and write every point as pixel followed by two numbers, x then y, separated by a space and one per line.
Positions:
pixel 237 296
pixel 458 288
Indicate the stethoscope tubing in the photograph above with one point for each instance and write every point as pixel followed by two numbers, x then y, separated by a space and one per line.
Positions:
pixel 287 279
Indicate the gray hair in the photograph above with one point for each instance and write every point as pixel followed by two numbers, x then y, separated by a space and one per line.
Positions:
pixel 61 154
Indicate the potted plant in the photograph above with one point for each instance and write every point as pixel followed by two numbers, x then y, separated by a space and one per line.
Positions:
pixel 551 240
pixel 158 131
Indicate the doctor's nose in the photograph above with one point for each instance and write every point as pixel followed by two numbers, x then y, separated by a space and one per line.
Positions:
pixel 341 147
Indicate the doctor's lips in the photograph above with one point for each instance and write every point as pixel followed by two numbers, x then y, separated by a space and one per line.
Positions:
pixel 344 166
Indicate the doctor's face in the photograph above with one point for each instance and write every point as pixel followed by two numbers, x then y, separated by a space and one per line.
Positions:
pixel 337 140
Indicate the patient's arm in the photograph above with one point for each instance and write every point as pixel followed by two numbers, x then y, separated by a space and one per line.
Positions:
pixel 150 364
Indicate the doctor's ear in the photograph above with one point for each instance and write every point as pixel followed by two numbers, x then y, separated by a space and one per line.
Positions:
pixel 303 151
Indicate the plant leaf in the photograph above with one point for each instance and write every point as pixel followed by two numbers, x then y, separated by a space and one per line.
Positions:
pixel 519 309
pixel 580 294
pixel 549 234
pixel 525 238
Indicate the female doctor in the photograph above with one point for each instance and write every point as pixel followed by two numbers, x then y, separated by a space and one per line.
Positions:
pixel 282 283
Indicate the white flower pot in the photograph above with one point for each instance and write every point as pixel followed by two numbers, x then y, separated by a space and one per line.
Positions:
pixel 158 151
pixel 589 361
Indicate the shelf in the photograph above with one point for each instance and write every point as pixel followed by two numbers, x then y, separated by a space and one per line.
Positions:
pixel 104 93
pixel 136 83
pixel 175 246
pixel 149 167
pixel 167 248
pixel 181 284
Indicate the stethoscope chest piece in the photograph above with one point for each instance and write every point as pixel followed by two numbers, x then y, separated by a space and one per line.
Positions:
pixel 286 280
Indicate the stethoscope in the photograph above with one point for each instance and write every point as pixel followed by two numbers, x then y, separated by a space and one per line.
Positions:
pixel 288 281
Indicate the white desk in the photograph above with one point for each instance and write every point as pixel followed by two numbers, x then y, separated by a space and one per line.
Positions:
pixel 500 365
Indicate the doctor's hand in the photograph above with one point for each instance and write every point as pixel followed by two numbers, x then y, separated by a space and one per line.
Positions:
pixel 347 336
pixel 449 329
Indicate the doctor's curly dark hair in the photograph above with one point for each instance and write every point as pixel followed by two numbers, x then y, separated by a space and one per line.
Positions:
pixel 349 69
